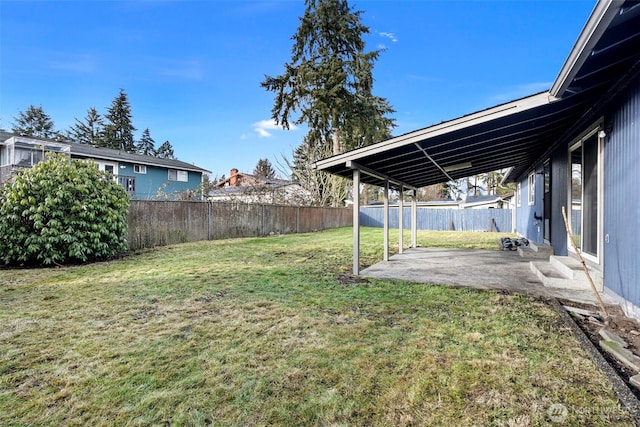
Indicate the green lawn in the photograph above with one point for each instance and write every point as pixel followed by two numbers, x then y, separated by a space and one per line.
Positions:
pixel 267 332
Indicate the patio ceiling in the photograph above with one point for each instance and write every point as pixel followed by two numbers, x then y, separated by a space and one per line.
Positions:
pixel 516 134
pixel 508 135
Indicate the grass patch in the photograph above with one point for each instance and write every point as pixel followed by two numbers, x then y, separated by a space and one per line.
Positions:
pixel 265 332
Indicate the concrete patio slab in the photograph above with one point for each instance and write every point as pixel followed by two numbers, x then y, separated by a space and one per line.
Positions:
pixel 480 269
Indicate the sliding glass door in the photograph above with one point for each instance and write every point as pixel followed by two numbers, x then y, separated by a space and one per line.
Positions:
pixel 585 194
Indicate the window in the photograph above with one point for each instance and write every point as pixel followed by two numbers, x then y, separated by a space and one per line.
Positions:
pixel 139 169
pixel 519 195
pixel 175 175
pixel 532 188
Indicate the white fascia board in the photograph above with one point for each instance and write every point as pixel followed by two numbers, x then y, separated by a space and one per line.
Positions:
pixel 479 117
pixel 600 18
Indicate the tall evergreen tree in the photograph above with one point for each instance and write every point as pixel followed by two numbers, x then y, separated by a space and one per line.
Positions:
pixel 329 82
pixel 34 122
pixel 165 151
pixel 264 168
pixel 329 79
pixel 90 130
pixel 119 128
pixel 146 145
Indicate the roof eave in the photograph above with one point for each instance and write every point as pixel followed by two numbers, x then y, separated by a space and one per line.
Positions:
pixel 496 112
pixel 600 18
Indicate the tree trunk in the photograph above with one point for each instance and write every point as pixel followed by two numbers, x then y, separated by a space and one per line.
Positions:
pixel 337 149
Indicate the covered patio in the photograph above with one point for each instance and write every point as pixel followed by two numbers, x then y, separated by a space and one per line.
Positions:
pixel 511 135
pixel 478 269
pixel 516 135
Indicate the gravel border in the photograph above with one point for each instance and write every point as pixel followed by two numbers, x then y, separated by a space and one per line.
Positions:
pixel 626 396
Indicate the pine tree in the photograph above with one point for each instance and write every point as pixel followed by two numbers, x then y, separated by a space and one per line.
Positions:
pixel 264 169
pixel 34 122
pixel 89 131
pixel 146 145
pixel 165 151
pixel 329 84
pixel 329 79
pixel 119 129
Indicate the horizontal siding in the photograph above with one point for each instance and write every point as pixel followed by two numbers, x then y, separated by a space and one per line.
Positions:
pixel 441 219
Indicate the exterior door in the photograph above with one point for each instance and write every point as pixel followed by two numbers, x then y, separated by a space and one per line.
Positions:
pixel 585 195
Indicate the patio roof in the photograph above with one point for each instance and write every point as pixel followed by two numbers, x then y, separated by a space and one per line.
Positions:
pixel 508 135
pixel 514 134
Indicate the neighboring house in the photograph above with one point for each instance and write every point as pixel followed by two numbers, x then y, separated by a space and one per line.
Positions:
pixel 483 202
pixel 143 177
pixel 247 188
pixel 576 145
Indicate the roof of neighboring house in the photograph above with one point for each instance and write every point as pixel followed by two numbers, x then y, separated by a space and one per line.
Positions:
pixel 89 151
pixel 516 134
pixel 481 200
pixel 261 180
pixel 264 183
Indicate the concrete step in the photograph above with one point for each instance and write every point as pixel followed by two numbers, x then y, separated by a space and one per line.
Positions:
pixel 529 253
pixel 552 278
pixel 535 251
pixel 572 269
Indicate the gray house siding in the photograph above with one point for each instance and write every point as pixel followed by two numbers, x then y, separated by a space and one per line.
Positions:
pixel 526 222
pixel 621 201
pixel 620 256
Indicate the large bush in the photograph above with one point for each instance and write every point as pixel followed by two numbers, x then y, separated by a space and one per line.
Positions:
pixel 62 211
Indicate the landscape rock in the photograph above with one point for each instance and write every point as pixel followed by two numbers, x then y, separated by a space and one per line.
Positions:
pixel 622 354
pixel 583 312
pixel 607 335
pixel 635 381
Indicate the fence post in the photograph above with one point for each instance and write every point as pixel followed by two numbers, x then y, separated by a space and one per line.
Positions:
pixel 209 220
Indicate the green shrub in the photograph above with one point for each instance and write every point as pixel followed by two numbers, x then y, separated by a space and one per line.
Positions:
pixel 60 212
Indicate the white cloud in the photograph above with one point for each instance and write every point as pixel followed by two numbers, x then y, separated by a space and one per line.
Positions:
pixel 390 36
pixel 264 126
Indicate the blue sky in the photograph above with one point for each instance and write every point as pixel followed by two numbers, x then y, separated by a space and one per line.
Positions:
pixel 192 69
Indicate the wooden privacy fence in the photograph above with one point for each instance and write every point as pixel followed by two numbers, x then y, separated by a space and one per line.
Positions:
pixel 159 223
pixel 441 219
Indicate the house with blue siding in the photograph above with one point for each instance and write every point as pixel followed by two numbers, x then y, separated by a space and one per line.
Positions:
pixel 143 177
pixel 574 147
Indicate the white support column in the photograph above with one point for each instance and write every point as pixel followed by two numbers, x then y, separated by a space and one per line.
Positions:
pixel 414 219
pixel 401 221
pixel 356 222
pixel 386 220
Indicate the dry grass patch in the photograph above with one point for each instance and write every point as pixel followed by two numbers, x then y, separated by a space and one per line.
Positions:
pixel 270 332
